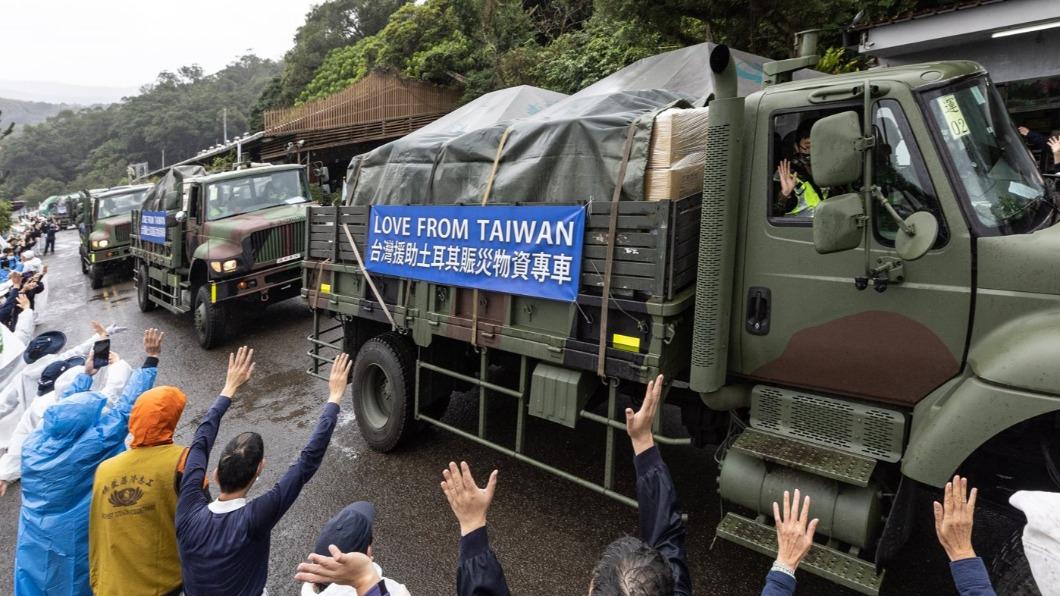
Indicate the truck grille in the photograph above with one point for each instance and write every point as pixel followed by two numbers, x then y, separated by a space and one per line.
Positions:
pixel 276 243
pixel 121 233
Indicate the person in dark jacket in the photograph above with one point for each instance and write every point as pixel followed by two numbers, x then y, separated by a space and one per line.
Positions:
pixel 652 565
pixel 224 544
pixel 50 228
pixel 953 526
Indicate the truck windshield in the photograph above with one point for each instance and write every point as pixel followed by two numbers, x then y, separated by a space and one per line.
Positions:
pixel 251 193
pixel 119 204
pixel 994 170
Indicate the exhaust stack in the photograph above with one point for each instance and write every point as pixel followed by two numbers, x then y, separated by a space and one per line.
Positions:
pixel 717 236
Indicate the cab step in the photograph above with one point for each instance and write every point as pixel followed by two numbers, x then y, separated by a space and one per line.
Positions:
pixel 829 563
pixel 829 463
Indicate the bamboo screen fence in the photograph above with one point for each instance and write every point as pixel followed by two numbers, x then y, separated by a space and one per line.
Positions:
pixel 376 105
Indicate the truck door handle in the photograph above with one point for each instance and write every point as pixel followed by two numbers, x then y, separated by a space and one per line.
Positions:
pixel 758 307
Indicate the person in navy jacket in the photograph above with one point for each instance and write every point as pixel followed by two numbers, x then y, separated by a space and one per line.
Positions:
pixel 654 564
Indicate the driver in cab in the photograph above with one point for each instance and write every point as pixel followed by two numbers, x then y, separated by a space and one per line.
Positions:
pixel 798 196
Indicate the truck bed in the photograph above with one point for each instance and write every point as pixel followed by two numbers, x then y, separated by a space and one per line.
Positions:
pixel 652 292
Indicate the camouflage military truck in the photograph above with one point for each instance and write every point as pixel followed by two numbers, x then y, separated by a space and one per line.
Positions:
pixel 906 331
pixel 210 242
pixel 105 230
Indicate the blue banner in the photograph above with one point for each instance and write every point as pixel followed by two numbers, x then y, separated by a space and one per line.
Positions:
pixel 533 250
pixel 153 226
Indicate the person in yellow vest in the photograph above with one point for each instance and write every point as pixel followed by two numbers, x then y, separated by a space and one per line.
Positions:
pixel 132 537
pixel 798 196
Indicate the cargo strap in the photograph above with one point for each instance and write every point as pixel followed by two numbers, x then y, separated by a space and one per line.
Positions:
pixel 314 286
pixel 368 278
pixel 612 227
pixel 485 198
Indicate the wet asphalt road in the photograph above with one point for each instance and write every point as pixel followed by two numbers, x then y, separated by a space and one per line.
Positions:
pixel 547 532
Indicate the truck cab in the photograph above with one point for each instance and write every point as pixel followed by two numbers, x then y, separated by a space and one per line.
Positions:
pixel 104 229
pixel 229 238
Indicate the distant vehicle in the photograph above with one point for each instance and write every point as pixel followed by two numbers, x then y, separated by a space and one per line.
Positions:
pixel 105 229
pixel 208 243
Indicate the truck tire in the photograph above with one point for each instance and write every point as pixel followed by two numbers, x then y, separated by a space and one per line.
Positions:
pixel 382 385
pixel 209 319
pixel 95 277
pixel 1010 571
pixel 143 299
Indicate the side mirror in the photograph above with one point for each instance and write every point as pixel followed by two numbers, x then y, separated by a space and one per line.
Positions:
pixel 835 154
pixel 181 216
pixel 837 223
pixel 917 236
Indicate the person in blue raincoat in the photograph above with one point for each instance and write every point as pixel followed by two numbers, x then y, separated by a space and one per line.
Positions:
pixel 59 462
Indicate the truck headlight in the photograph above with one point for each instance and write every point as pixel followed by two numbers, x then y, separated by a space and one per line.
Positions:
pixel 100 243
pixel 226 266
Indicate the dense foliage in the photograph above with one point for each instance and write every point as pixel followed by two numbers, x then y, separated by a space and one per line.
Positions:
pixel 477 45
pixel 327 26
pixel 178 114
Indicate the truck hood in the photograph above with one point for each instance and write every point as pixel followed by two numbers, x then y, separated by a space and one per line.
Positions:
pixel 225 237
pixel 105 228
pixel 234 229
pixel 1021 263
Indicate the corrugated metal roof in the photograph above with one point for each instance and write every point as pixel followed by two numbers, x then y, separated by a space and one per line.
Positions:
pixel 925 12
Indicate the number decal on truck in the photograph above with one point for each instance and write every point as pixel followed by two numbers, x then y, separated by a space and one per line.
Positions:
pixel 293 257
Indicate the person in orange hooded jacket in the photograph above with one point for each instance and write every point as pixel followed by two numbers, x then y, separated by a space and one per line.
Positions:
pixel 132 539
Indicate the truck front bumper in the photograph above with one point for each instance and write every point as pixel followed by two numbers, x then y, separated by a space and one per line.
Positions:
pixel 268 285
pixel 107 256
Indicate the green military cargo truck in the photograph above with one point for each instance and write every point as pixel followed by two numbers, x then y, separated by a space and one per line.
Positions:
pixel 220 240
pixel 864 351
pixel 106 223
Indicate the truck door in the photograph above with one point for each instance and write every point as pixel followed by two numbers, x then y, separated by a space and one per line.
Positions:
pixel 806 322
pixel 195 219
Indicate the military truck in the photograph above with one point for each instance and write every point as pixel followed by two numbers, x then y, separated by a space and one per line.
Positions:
pixel 210 243
pixel 105 231
pixel 906 331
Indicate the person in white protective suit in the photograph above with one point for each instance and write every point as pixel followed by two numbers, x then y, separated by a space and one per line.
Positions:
pixel 1041 537
pixel 20 390
pixel 49 392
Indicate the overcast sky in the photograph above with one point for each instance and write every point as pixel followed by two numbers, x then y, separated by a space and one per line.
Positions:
pixel 124 44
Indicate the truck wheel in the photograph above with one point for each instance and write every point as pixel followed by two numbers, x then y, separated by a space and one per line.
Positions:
pixel 209 319
pixel 1010 570
pixel 382 387
pixel 95 277
pixel 143 298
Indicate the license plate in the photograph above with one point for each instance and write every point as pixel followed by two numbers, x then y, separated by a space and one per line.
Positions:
pixel 293 257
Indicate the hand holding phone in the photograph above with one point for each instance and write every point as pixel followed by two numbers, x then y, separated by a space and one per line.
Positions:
pixel 101 354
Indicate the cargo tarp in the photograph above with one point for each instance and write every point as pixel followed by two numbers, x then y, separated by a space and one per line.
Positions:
pixel 166 195
pixel 569 150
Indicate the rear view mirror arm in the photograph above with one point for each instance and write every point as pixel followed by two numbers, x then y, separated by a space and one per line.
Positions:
pixel 906 227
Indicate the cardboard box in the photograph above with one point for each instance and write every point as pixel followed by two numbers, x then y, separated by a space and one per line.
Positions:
pixel 676 135
pixel 670 184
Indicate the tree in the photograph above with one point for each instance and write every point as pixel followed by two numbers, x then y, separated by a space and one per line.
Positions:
pixel 329 25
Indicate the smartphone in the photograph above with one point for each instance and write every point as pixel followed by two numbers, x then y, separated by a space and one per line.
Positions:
pixel 100 354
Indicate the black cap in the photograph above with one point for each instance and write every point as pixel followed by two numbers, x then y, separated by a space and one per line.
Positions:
pixel 55 370
pixel 350 530
pixel 49 342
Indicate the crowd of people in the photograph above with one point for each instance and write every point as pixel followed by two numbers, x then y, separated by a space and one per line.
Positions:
pixel 111 505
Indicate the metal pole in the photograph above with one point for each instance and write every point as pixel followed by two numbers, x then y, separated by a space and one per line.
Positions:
pixel 609 455
pixel 483 369
pixel 224 118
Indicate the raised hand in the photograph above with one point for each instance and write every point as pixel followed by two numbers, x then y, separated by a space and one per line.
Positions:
pixel 1054 146
pixel 99 330
pixel 240 367
pixel 638 424
pixel 23 301
pixel 346 569
pixel 340 373
pixel 794 533
pixel 953 519
pixel 787 178
pixel 153 342
pixel 468 502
